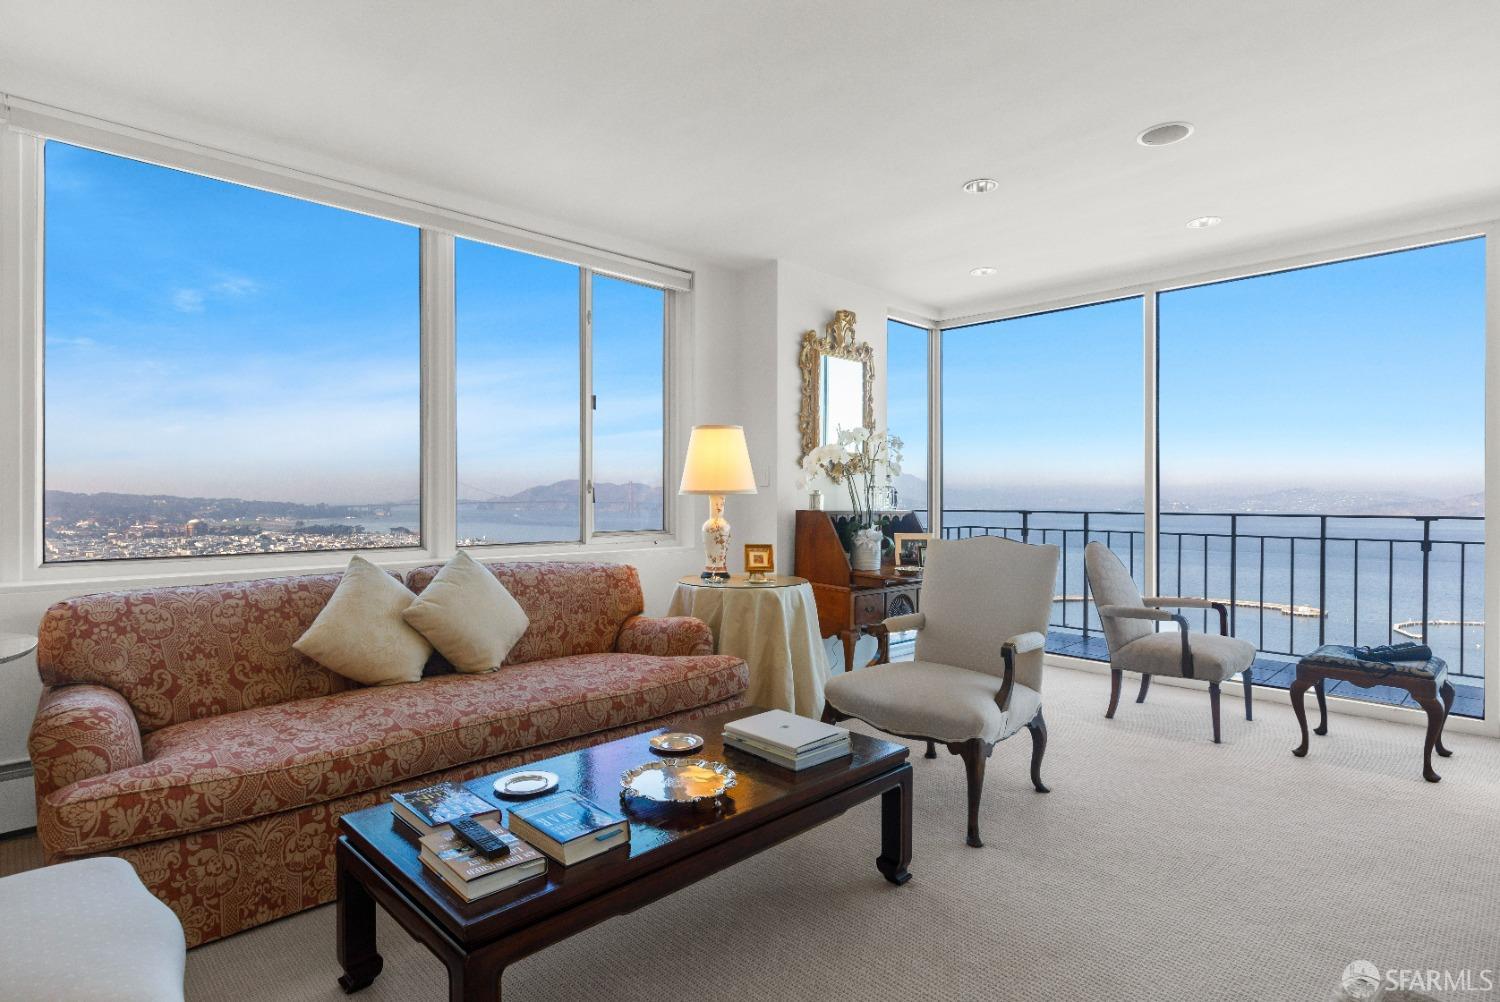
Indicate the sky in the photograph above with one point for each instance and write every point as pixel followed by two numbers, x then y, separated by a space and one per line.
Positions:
pixel 1359 375
pixel 204 338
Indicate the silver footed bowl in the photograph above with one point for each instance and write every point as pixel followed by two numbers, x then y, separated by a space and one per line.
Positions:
pixel 678 781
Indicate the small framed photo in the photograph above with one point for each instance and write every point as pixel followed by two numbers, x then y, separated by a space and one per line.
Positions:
pixel 911 548
pixel 760 561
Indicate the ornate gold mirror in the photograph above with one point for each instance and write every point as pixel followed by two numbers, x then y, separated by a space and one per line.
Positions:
pixel 838 383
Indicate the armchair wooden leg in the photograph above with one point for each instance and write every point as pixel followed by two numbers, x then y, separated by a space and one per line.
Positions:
pixel 1249 683
pixel 974 752
pixel 1115 675
pixel 931 749
pixel 830 715
pixel 1145 684
pixel 1038 729
pixel 1213 707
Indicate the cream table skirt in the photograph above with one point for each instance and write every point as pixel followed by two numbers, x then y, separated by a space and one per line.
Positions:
pixel 774 627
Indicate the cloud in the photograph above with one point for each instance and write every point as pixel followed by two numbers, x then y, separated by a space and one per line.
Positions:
pixel 192 300
pixel 188 300
pixel 236 286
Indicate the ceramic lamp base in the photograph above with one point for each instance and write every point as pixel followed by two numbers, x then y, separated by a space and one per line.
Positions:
pixel 716 541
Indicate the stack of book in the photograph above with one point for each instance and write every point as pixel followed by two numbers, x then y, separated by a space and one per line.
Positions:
pixel 786 739
pixel 470 872
pixel 569 828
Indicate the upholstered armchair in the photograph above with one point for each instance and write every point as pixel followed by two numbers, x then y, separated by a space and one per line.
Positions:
pixel 977 677
pixel 1134 645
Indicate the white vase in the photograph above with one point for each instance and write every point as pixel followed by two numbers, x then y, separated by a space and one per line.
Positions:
pixel 865 549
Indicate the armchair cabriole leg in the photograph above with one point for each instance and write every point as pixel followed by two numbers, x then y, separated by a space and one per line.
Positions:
pixel 1249 683
pixel 974 752
pixel 1145 684
pixel 1213 708
pixel 1115 677
pixel 1038 729
pixel 931 749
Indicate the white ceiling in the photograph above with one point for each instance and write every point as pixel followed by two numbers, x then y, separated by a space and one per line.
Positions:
pixel 837 133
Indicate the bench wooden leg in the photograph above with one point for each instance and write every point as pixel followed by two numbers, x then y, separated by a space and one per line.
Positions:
pixel 1299 689
pixel 1437 714
pixel 1449 695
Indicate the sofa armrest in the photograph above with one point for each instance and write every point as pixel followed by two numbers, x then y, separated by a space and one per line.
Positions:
pixel 665 636
pixel 81 731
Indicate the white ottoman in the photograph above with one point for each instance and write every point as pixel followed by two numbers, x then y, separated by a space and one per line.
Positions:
pixel 88 931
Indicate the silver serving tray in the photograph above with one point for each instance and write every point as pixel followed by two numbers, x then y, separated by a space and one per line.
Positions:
pixel 676 743
pixel 678 781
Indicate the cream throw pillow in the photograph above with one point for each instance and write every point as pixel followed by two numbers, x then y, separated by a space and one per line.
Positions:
pixel 468 615
pixel 360 633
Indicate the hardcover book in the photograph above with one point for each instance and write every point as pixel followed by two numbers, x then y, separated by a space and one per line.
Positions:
pixel 432 807
pixel 785 732
pixel 449 851
pixel 569 828
pixel 819 755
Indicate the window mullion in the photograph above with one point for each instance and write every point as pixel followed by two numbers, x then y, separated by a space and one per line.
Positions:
pixel 586 404
pixel 439 396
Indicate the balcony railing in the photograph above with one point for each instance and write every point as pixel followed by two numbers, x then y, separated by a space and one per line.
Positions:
pixel 1292 581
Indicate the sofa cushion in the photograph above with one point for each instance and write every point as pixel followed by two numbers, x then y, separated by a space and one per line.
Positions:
pixel 191 651
pixel 205 773
pixel 467 614
pixel 361 633
pixel 574 607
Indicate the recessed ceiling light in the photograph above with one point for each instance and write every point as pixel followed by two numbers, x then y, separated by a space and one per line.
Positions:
pixel 981 185
pixel 1204 222
pixel 985 272
pixel 1165 134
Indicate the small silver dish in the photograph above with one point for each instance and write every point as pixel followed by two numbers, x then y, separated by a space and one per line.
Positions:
pixel 527 783
pixel 678 781
pixel 676 743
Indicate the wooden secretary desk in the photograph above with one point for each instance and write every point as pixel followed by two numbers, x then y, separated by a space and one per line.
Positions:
pixel 849 601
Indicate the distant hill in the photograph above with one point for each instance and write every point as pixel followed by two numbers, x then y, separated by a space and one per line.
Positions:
pixel 71 507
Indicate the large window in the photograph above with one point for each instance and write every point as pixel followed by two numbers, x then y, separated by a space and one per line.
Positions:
pixel 518 391
pixel 1322 457
pixel 907 408
pixel 629 421
pixel 226 370
pixel 521 348
pixel 1042 442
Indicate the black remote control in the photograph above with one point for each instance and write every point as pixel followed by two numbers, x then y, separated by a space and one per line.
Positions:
pixel 479 836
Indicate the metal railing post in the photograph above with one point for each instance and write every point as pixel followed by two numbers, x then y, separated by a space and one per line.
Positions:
pixel 1085 577
pixel 1234 570
pixel 1025 526
pixel 1322 579
pixel 1426 561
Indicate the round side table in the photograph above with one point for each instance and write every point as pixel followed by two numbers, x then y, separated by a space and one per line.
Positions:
pixel 773 626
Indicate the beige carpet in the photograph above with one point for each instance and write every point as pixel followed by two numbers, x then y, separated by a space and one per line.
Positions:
pixel 1161 867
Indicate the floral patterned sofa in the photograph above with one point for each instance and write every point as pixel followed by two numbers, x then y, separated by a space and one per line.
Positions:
pixel 180 730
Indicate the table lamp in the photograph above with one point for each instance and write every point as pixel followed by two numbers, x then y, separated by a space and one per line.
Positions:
pixel 718 463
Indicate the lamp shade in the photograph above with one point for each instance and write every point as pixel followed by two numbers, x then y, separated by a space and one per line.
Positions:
pixel 718 461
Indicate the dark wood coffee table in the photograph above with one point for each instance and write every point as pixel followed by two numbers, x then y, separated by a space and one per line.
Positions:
pixel 670 848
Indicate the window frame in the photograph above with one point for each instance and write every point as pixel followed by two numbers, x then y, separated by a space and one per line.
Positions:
pixel 1149 287
pixel 24 131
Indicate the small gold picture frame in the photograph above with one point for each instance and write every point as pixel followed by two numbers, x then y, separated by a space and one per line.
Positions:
pixel 760 562
pixel 911 549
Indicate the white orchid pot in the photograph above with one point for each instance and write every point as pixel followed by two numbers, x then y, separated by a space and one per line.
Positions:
pixel 865 549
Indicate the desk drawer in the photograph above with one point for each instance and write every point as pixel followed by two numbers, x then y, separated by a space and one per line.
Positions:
pixel 869 609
